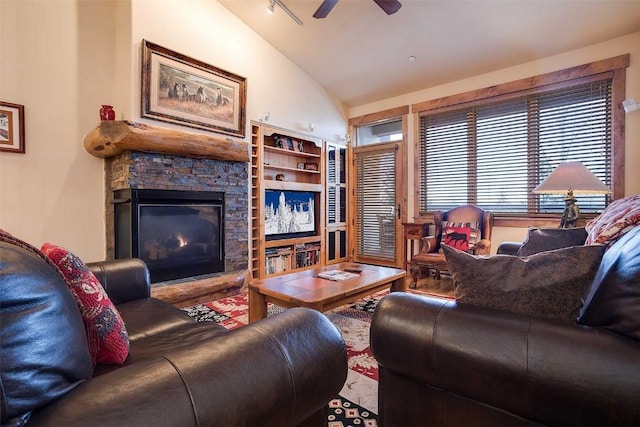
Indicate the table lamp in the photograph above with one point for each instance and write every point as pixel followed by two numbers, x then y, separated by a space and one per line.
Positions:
pixel 571 178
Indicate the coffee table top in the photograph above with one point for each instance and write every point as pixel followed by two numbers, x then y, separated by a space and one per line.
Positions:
pixel 307 288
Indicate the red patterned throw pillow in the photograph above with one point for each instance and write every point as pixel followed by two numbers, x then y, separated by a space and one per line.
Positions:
pixel 106 332
pixel 618 218
pixel 457 237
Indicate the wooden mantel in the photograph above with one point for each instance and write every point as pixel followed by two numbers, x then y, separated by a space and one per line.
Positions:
pixel 112 137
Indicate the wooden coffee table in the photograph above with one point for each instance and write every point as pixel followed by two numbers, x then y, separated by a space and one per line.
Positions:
pixel 306 289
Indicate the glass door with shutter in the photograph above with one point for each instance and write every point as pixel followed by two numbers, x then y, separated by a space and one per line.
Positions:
pixel 377 220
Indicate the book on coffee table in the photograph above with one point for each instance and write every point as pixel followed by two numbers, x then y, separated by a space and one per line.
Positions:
pixel 337 275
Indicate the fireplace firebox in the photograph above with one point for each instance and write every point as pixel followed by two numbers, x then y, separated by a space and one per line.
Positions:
pixel 177 233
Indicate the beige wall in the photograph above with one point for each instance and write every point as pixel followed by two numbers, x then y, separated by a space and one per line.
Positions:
pixel 628 44
pixel 62 59
pixel 56 60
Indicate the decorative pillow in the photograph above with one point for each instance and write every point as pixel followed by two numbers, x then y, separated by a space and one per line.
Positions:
pixel 43 345
pixel 548 239
pixel 547 285
pixel 619 217
pixel 106 332
pixel 457 237
pixel 474 232
pixel 613 301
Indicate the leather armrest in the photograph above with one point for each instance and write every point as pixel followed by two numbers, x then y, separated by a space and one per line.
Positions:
pixel 508 248
pixel 428 244
pixel 539 370
pixel 275 372
pixel 124 280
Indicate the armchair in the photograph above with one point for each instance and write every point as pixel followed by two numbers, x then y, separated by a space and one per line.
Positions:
pixel 431 257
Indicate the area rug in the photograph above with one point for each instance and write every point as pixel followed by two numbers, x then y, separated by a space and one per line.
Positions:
pixel 357 403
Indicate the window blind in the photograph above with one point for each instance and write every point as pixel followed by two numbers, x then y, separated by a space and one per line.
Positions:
pixel 375 203
pixel 492 154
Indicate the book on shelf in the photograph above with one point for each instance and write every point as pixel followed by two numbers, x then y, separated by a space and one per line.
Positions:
pixel 337 275
pixel 278 263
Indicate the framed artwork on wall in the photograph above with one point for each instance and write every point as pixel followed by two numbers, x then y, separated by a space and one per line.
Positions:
pixel 185 91
pixel 11 127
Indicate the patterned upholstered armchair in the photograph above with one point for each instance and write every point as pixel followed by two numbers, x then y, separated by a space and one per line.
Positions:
pixel 466 228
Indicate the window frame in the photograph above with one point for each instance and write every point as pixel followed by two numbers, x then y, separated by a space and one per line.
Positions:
pixel 614 68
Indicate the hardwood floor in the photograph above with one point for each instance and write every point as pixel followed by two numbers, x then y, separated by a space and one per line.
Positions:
pixel 431 286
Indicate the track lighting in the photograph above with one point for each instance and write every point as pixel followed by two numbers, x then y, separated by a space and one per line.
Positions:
pixel 264 117
pixel 271 10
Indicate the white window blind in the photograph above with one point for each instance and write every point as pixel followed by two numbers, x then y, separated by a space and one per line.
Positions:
pixel 375 203
pixel 492 154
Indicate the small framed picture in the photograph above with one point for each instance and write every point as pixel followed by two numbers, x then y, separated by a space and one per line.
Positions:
pixel 11 127
pixel 311 166
pixel 300 165
pixel 289 144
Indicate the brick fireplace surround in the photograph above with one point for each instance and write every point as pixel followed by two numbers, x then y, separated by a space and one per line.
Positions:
pixel 138 170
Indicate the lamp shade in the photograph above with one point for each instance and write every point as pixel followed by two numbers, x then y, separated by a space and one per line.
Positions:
pixel 572 176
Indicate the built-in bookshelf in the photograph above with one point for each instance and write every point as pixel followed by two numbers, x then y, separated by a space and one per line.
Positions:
pixel 286 163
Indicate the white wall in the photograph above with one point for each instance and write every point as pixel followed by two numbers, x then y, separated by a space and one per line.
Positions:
pixel 62 59
pixel 628 44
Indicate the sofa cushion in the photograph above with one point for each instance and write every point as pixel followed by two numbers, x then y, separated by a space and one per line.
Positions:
pixel 613 300
pixel 44 352
pixel 619 217
pixel 546 285
pixel 106 332
pixel 548 239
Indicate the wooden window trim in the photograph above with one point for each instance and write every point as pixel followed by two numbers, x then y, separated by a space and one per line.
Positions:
pixel 616 65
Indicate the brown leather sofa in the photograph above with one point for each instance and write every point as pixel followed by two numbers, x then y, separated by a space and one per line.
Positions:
pixel 445 363
pixel 281 371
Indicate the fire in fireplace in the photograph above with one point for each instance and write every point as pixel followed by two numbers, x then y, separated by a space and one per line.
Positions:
pixel 177 233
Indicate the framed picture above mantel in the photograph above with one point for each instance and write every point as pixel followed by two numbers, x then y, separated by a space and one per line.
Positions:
pixel 185 91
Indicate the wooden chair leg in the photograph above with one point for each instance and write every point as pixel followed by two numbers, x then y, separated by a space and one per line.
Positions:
pixel 415 275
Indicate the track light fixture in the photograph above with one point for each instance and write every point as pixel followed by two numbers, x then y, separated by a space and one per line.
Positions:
pixel 271 10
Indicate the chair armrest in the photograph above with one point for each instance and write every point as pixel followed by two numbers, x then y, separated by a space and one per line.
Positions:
pixel 508 248
pixel 483 247
pixel 428 244
pixel 124 280
pixel 536 369
pixel 275 372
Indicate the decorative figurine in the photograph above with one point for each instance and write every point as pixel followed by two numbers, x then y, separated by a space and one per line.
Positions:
pixel 571 212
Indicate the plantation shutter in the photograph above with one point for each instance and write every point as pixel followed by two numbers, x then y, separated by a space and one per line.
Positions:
pixel 492 154
pixel 375 203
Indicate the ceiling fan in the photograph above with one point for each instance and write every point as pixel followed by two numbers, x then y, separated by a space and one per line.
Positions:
pixel 389 6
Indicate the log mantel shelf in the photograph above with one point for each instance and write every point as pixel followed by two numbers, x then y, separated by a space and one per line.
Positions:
pixel 112 137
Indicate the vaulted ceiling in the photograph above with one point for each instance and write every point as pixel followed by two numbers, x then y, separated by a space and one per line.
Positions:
pixel 361 55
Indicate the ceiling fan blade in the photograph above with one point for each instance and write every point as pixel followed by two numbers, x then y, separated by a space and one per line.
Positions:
pixel 389 6
pixel 325 8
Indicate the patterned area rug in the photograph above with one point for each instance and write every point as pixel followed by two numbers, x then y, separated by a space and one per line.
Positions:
pixel 357 403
